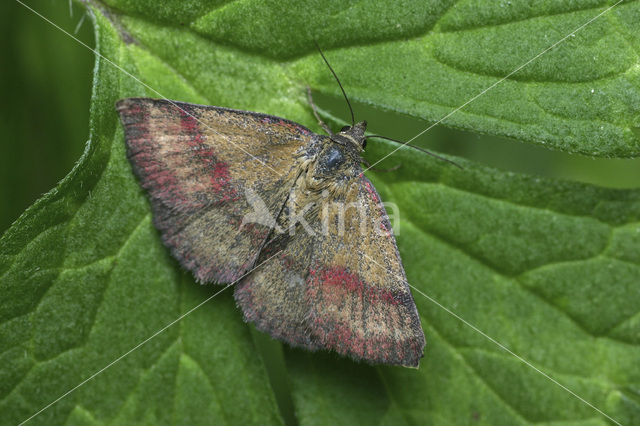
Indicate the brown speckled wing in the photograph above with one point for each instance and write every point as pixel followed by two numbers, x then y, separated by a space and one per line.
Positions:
pixel 345 292
pixel 196 162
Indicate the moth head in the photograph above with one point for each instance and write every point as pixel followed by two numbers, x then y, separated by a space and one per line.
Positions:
pixel 352 136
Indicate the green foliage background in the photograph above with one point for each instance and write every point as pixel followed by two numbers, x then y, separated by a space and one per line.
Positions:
pixel 550 268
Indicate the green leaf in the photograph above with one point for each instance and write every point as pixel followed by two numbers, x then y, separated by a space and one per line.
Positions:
pixel 550 269
pixel 427 58
pixel 85 279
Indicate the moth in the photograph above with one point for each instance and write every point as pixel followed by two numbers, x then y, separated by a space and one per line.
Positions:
pixel 253 198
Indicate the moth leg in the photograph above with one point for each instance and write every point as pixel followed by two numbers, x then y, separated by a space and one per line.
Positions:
pixel 392 169
pixel 315 112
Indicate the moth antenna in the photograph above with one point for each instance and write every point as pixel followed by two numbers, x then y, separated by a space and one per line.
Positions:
pixel 418 149
pixel 353 120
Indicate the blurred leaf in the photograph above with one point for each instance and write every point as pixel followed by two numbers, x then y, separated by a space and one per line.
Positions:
pixel 551 269
pixel 44 119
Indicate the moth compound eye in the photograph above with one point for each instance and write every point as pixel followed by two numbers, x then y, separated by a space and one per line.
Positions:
pixel 345 128
pixel 364 143
pixel 333 159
